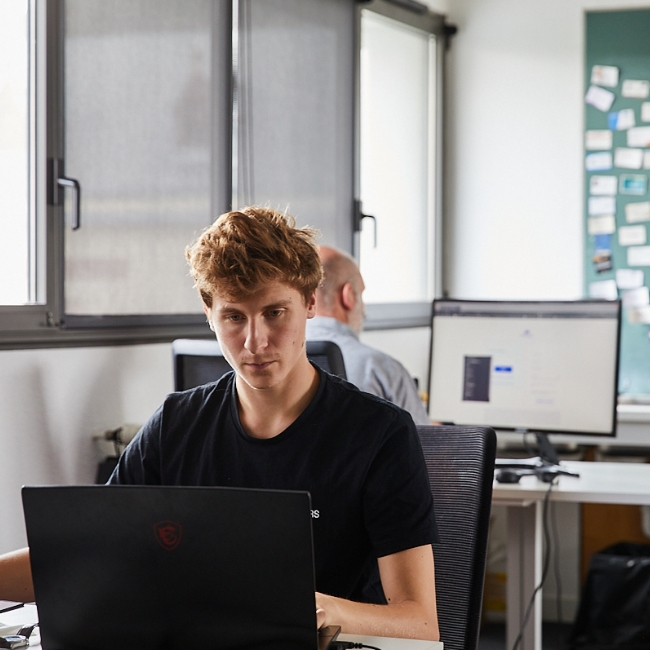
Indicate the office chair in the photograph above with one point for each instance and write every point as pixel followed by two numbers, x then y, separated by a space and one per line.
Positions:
pixel 460 463
pixel 199 361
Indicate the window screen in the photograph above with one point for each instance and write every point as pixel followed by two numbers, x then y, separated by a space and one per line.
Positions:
pixel 139 137
pixel 295 111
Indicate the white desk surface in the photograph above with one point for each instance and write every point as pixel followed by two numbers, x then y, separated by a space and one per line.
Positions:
pixel 620 483
pixel 28 614
pixel 392 644
pixel 623 483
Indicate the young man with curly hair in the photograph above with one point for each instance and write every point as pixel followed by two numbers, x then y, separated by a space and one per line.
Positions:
pixel 279 422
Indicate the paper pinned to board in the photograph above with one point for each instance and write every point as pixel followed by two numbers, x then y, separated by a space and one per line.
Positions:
pixel 639 315
pixel 603 290
pixel 632 235
pixel 621 120
pixel 645 112
pixel 598 162
pixel 599 205
pixel 635 88
pixel 603 225
pixel 626 158
pixel 639 136
pixel 639 297
pixel 638 256
pixel 635 184
pixel 604 75
pixel 603 185
pixel 629 278
pixel 636 212
pixel 646 160
pixel 595 140
pixel 599 98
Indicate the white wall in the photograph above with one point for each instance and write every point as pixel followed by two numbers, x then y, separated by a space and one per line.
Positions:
pixel 410 346
pixel 514 154
pixel 51 401
pixel 515 171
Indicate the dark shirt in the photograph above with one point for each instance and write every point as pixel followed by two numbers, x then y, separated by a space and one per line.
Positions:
pixel 358 456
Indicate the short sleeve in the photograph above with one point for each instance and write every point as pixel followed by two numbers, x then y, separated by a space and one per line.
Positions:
pixel 398 506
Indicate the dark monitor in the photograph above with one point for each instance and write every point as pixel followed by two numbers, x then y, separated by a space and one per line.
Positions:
pixel 199 361
pixel 543 367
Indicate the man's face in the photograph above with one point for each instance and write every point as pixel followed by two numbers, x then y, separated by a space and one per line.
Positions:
pixel 263 336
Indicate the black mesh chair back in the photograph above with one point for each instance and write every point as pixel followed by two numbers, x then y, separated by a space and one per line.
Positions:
pixel 199 361
pixel 460 462
pixel 328 356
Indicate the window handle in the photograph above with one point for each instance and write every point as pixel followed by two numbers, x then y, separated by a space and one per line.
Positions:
pixel 359 216
pixel 56 184
pixel 76 211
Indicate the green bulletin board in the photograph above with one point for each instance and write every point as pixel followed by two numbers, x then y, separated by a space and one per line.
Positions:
pixel 617 77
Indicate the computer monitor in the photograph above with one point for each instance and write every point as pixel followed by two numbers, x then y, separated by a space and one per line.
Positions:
pixel 199 361
pixel 543 367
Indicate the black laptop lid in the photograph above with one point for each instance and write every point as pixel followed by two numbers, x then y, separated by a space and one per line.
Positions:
pixel 143 568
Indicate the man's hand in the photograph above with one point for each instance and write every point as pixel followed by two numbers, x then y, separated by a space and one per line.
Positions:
pixel 408 580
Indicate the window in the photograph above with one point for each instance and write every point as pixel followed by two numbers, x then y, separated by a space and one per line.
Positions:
pixel 295 111
pixel 132 162
pixel 399 117
pixel 17 93
pixel 130 125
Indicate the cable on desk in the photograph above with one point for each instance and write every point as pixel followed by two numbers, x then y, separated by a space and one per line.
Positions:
pixel 342 645
pixel 547 557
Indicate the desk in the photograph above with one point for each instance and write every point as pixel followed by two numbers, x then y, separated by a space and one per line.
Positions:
pixel 28 615
pixel 620 483
pixel 386 643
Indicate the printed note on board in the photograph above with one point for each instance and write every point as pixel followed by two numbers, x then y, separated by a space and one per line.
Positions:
pixel 629 278
pixel 598 139
pixel 639 136
pixel 599 162
pixel 638 256
pixel 636 212
pixel 635 88
pixel 599 98
pixel 604 75
pixel 636 184
pixel 603 290
pixel 636 297
pixel 621 120
pixel 628 158
pixel 632 235
pixel 603 225
pixel 645 112
pixel 602 185
pixel 599 205
pixel 639 315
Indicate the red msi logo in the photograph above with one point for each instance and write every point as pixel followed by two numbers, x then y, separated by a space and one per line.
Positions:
pixel 168 534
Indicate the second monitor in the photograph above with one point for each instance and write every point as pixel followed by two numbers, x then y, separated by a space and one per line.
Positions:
pixel 532 366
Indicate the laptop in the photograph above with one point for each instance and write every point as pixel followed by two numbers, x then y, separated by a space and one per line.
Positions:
pixel 157 568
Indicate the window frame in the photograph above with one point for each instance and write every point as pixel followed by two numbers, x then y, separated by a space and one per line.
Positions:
pixel 44 324
pixel 415 313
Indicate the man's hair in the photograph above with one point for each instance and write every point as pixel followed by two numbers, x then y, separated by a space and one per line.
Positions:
pixel 338 269
pixel 243 251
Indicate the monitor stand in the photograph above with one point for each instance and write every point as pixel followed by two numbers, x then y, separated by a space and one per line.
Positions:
pixel 546 450
pixel 546 466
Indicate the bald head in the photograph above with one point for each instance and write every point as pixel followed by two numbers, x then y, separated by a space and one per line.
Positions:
pixel 339 295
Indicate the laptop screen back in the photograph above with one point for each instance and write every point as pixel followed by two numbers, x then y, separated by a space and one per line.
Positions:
pixel 135 567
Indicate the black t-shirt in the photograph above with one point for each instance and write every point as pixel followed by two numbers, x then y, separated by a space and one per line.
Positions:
pixel 358 456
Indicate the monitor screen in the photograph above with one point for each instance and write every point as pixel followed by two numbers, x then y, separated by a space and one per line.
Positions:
pixel 533 366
